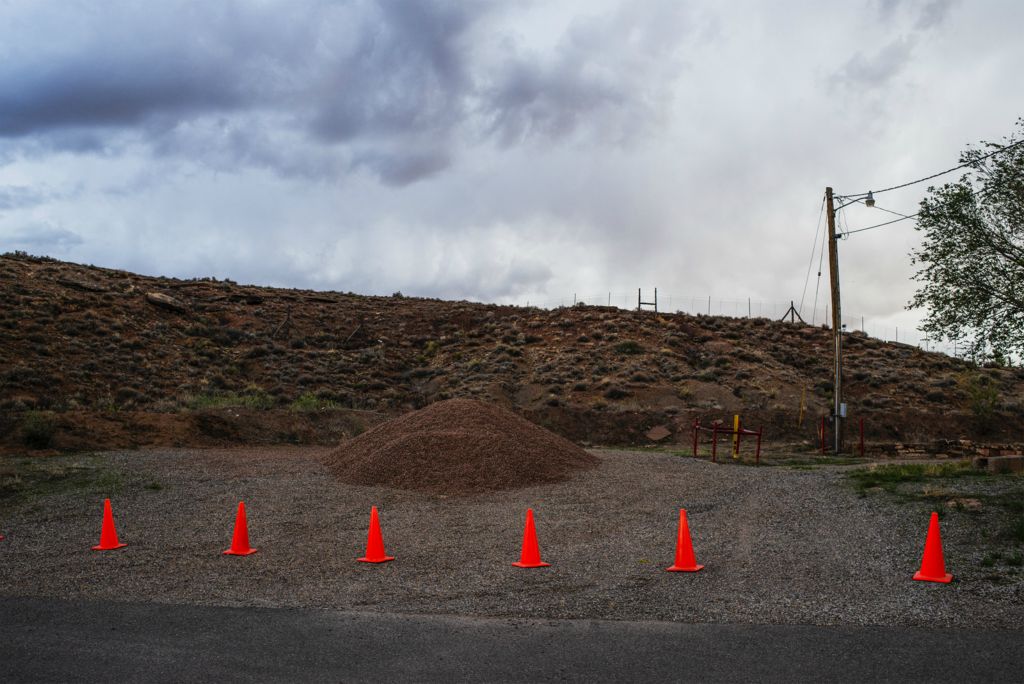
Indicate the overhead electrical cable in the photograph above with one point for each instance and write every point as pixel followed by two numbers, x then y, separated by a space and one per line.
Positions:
pixel 942 173
pixel 879 225
pixel 821 260
pixel 814 246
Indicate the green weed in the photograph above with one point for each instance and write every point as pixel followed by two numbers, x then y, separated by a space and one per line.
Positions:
pixel 310 402
pixel 890 476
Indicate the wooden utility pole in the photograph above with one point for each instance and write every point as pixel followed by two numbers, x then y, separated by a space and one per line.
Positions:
pixel 837 320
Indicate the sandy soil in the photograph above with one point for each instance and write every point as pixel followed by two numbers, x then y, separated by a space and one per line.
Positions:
pixel 780 545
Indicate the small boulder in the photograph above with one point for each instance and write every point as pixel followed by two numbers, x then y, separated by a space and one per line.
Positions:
pixel 658 433
pixel 166 301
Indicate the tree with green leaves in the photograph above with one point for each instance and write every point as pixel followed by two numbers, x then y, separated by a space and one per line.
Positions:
pixel 971 260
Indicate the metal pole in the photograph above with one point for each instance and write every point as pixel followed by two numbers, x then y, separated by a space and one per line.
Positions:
pixel 837 319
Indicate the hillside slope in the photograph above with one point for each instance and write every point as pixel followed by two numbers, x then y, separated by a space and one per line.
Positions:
pixel 86 341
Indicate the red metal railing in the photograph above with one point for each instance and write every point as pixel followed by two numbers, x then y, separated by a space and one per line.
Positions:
pixel 717 430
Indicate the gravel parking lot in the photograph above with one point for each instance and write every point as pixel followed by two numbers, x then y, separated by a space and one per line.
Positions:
pixel 780 545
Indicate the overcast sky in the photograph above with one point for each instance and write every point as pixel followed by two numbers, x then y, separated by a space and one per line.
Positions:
pixel 495 151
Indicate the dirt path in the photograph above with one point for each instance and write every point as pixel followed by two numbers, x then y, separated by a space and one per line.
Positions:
pixel 780 545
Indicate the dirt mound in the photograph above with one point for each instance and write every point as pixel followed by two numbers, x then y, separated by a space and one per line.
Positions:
pixel 458 446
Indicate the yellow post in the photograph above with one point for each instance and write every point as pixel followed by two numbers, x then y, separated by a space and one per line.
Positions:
pixel 736 436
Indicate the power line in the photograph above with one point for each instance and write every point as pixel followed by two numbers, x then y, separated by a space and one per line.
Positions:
pixel 942 173
pixel 890 211
pixel 879 225
pixel 821 259
pixel 810 262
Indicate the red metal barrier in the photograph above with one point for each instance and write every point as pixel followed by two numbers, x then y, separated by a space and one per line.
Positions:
pixel 717 429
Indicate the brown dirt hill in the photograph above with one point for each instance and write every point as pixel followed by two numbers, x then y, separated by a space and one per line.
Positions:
pixel 80 340
pixel 458 446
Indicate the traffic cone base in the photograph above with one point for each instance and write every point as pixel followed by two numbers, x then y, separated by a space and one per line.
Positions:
pixel 933 564
pixel 375 542
pixel 539 564
pixel 692 568
pixel 530 555
pixel 247 552
pixel 685 560
pixel 240 539
pixel 379 559
pixel 921 577
pixel 108 533
pixel 101 547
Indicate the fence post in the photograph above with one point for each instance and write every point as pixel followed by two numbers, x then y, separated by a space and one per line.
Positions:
pixel 736 436
pixel 757 454
pixel 696 434
pixel 821 435
pixel 862 438
pixel 714 444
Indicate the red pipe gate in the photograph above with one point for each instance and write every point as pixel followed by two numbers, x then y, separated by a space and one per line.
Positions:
pixel 717 430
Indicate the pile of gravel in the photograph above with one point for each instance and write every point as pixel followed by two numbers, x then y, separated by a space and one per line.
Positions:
pixel 458 446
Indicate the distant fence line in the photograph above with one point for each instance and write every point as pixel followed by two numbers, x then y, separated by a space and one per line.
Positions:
pixel 750 308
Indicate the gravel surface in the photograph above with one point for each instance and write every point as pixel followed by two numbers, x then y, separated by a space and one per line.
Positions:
pixel 780 545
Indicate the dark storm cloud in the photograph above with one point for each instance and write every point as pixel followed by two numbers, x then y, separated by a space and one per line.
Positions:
pixel 111 91
pixel 313 90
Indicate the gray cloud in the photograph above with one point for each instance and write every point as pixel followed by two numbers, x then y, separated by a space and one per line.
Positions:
pixel 933 14
pixel 399 88
pixel 42 238
pixel 21 197
pixel 927 13
pixel 875 70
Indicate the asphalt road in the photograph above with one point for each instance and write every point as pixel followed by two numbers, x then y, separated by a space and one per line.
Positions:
pixel 49 640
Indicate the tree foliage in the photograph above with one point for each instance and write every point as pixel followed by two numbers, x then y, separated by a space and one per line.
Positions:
pixel 971 260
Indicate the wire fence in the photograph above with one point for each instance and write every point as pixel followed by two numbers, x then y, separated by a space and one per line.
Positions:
pixel 708 305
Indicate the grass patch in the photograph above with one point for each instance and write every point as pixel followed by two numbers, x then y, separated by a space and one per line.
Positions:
pixel 24 480
pixel 311 402
pixel 890 476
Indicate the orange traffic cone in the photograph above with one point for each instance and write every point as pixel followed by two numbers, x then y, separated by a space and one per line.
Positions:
pixel 375 542
pixel 108 534
pixel 933 566
pixel 240 540
pixel 685 560
pixel 530 556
